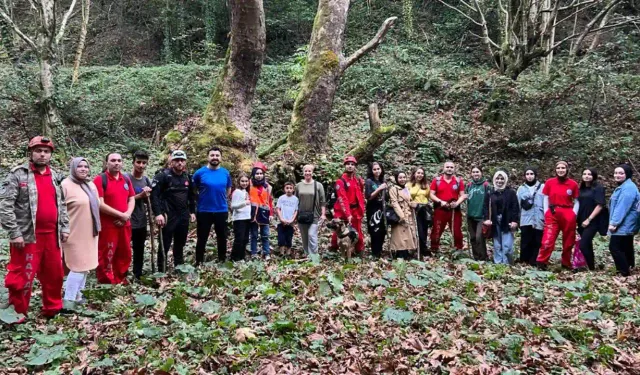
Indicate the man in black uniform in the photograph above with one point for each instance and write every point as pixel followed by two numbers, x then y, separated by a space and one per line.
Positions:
pixel 173 203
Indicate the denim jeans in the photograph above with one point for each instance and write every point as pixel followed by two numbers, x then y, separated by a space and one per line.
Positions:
pixel 264 238
pixel 502 244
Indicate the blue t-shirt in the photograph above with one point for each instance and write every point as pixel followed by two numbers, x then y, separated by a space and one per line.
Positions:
pixel 212 188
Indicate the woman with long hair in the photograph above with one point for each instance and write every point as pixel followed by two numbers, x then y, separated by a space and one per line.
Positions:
pixel 623 219
pixel 477 190
pixel 376 196
pixel 403 235
pixel 241 218
pixel 419 189
pixel 590 219
pixel 81 249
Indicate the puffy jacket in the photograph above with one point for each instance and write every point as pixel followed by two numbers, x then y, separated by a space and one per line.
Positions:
pixel 535 215
pixel 19 203
pixel 623 209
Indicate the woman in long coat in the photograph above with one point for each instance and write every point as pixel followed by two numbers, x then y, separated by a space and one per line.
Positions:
pixel 403 235
pixel 81 249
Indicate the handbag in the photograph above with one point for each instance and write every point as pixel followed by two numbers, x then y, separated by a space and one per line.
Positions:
pixel 487 229
pixel 307 217
pixel 391 216
pixel 260 215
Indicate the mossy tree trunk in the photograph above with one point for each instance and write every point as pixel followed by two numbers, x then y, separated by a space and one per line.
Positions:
pixel 309 128
pixel 227 119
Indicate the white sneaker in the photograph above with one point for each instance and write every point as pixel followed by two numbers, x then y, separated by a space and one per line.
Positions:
pixel 267 257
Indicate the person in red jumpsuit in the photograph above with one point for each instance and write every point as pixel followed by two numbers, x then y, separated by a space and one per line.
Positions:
pixel 34 214
pixel 117 201
pixel 561 207
pixel 447 193
pixel 350 202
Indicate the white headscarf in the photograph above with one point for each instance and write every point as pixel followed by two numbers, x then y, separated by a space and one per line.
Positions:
pixel 506 180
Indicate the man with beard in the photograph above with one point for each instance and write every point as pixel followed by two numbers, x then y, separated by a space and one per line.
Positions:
pixel 117 203
pixel 349 204
pixel 142 187
pixel 447 193
pixel 214 186
pixel 174 205
pixel 34 214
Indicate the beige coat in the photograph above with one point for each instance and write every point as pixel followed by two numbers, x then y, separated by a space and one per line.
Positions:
pixel 81 249
pixel 403 235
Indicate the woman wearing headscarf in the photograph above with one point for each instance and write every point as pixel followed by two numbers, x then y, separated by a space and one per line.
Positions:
pixel 403 235
pixel 376 195
pixel 590 218
pixel 531 202
pixel 261 210
pixel 477 192
pixel 81 249
pixel 419 189
pixel 561 207
pixel 502 212
pixel 623 219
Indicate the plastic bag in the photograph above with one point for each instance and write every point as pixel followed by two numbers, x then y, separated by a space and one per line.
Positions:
pixel 578 260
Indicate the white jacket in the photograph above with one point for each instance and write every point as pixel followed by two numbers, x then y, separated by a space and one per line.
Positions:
pixel 240 209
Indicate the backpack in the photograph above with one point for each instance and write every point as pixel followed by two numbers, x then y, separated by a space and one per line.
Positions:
pixel 103 176
pixel 459 180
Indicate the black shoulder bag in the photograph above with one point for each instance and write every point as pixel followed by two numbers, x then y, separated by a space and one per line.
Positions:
pixel 307 217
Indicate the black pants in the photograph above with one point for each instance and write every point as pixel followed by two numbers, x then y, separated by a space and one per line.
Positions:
pixel 240 239
pixel 377 232
pixel 423 231
pixel 478 242
pixel 586 243
pixel 621 248
pixel 285 235
pixel 175 231
pixel 219 222
pixel 530 242
pixel 138 238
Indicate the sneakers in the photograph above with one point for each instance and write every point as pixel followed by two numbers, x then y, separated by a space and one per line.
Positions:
pixel 267 257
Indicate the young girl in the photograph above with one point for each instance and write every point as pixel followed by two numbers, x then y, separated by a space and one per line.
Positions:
pixel 241 217
pixel 261 210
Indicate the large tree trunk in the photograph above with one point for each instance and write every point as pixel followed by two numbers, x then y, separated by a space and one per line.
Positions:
pixel 226 120
pixel 50 120
pixel 309 128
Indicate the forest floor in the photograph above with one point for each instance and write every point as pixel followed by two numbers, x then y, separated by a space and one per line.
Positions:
pixel 449 314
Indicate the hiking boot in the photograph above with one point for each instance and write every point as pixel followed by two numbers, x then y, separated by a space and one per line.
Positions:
pixel 541 266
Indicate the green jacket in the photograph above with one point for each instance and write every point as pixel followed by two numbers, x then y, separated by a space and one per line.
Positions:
pixel 19 203
pixel 476 190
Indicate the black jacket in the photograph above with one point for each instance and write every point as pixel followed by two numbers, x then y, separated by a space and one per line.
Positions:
pixel 510 208
pixel 173 195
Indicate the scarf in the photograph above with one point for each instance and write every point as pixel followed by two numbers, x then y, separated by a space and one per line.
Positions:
pixel 535 174
pixel 506 180
pixel 94 203
pixel 258 183
pixel 627 171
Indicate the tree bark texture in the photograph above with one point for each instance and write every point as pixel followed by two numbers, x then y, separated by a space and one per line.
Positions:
pixel 309 128
pixel 378 135
pixel 227 119
pixel 86 7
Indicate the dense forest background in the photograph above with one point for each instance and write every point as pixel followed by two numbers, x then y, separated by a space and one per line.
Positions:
pixel 150 66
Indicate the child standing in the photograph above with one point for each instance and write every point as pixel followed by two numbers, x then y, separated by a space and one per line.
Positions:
pixel 241 217
pixel 287 208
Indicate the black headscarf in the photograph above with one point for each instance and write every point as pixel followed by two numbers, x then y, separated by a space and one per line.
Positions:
pixel 627 171
pixel 535 174
pixel 255 182
pixel 395 175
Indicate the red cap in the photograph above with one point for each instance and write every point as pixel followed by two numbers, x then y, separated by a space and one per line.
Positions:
pixel 350 159
pixel 260 165
pixel 41 141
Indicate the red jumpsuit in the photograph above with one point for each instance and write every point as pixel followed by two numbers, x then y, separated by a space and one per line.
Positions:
pixel 114 243
pixel 350 202
pixel 561 194
pixel 42 258
pixel 448 192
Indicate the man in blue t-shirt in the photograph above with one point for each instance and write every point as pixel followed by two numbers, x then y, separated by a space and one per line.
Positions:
pixel 213 183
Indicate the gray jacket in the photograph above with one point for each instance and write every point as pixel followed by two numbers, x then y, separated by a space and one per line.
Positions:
pixel 19 203
pixel 535 215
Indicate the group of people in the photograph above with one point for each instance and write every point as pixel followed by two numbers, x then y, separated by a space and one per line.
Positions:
pixel 101 222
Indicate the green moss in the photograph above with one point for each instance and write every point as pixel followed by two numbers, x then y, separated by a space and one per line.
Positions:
pixel 173 136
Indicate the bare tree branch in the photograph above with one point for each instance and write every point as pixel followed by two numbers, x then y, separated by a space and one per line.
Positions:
pixel 17 30
pixel 573 14
pixel 65 19
pixel 608 27
pixel 587 29
pixel 461 12
pixel 371 45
